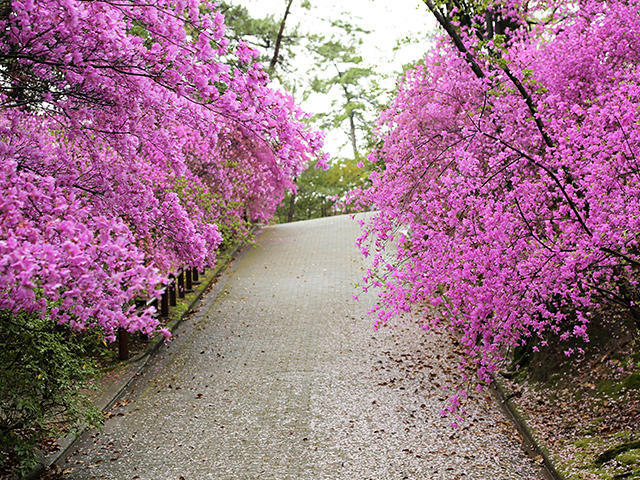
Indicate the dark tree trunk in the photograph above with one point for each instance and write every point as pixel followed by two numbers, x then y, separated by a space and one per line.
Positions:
pixel 352 121
pixel 276 52
pixel 352 134
pixel 292 203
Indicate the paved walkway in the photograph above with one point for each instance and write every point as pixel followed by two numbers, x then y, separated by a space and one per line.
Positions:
pixel 280 376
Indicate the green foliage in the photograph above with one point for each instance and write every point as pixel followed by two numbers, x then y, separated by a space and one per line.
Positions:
pixel 261 34
pixel 233 230
pixel 319 190
pixel 340 68
pixel 258 32
pixel 617 387
pixel 231 226
pixel 44 371
pixel 340 73
pixel 190 191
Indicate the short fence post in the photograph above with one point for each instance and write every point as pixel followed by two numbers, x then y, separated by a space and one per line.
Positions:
pixel 181 284
pixel 172 291
pixel 123 344
pixel 164 303
pixel 188 280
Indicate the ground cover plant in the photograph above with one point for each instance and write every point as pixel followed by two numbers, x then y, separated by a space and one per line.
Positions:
pixel 507 178
pixel 45 370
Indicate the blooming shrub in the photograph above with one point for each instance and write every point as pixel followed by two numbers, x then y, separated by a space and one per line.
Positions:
pixel 130 138
pixel 507 177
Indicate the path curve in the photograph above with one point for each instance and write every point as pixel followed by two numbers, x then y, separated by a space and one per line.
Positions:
pixel 280 376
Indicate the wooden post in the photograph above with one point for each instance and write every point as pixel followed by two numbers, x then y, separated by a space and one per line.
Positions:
pixel 123 344
pixel 172 292
pixel 164 303
pixel 181 284
pixel 188 280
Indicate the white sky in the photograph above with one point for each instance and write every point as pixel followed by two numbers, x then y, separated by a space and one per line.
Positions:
pixel 388 21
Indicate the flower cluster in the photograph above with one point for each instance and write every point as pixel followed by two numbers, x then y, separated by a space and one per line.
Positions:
pixel 507 181
pixel 131 139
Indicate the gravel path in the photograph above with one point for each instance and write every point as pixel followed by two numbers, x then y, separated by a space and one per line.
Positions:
pixel 280 376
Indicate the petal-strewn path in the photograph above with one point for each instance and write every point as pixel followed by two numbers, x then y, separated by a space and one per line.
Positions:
pixel 280 376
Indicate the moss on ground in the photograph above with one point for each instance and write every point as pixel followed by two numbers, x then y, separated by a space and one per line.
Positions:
pixel 585 408
pixel 616 387
pixel 182 304
pixel 581 463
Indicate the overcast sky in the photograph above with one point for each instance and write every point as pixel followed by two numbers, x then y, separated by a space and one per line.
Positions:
pixel 388 21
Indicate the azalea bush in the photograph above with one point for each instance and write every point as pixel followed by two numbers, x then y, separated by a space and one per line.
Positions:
pixel 507 179
pixel 131 138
